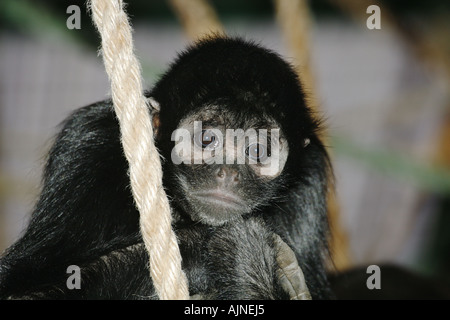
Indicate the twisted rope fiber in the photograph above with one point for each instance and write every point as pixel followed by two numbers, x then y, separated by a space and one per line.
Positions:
pixel 145 169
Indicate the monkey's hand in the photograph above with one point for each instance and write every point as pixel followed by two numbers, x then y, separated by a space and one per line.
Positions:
pixel 289 272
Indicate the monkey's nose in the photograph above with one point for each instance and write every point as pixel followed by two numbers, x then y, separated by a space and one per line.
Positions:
pixel 228 175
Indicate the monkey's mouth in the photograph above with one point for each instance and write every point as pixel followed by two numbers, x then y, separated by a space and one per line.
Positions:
pixel 216 207
pixel 221 198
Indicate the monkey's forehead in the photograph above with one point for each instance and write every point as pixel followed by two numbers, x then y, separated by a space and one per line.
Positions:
pixel 228 68
pixel 221 116
pixel 252 84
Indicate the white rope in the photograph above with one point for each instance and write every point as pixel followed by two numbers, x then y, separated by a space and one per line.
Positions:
pixel 145 169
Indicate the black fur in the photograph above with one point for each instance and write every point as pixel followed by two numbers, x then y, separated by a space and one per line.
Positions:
pixel 86 210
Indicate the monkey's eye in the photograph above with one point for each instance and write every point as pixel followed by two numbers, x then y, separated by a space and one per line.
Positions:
pixel 207 139
pixel 257 152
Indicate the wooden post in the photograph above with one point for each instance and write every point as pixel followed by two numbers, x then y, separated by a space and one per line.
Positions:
pixel 197 17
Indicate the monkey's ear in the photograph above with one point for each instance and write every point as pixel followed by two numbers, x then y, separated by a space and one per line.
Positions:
pixel 306 142
pixel 153 104
pixel 154 111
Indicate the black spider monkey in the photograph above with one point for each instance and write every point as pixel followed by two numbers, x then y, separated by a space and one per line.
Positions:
pixel 225 214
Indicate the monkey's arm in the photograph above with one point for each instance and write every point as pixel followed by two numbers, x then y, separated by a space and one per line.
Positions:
pixel 242 261
pixel 245 260
pixel 85 209
pixel 301 220
pixel 120 274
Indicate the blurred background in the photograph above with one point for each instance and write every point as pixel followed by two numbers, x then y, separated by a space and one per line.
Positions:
pixel 384 95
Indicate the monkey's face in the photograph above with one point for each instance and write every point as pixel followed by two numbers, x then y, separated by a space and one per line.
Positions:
pixel 224 165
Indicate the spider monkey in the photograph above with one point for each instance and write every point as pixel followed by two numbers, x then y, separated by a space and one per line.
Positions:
pixel 247 164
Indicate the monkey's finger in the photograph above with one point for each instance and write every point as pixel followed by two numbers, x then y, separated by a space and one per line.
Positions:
pixel 289 272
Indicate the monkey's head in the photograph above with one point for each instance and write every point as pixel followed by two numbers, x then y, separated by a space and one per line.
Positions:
pixel 233 129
